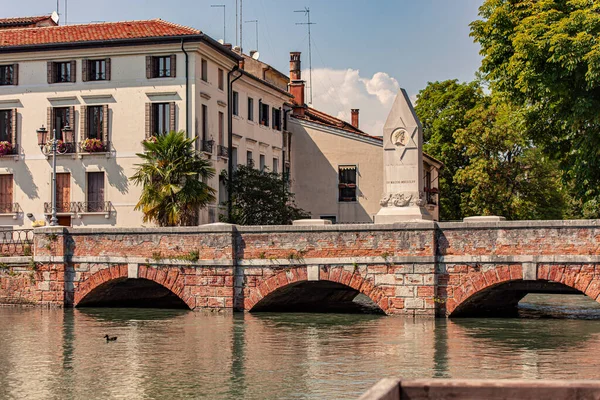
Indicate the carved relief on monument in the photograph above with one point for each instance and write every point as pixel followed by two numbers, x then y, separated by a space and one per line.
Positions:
pixel 399 137
pixel 402 200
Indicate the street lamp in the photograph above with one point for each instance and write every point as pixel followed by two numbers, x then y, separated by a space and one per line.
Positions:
pixel 42 141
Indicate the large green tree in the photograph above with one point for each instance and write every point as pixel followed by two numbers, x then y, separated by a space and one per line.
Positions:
pixel 544 56
pixel 261 198
pixel 172 177
pixel 505 175
pixel 442 108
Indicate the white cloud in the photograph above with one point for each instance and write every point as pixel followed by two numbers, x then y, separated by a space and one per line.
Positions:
pixel 337 91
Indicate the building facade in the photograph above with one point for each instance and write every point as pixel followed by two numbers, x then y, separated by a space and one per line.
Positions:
pixel 104 88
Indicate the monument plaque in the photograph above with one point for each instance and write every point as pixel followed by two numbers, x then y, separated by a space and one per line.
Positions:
pixel 403 197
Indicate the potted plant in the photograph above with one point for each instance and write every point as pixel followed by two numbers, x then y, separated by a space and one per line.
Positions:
pixel 5 148
pixel 151 139
pixel 61 147
pixel 92 145
pixel 341 185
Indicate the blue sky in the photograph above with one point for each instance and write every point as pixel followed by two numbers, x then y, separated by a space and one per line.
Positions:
pixel 362 49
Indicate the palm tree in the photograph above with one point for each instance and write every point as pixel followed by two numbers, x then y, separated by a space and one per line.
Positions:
pixel 172 176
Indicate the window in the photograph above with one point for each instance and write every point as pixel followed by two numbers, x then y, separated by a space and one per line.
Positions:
pixel 204 70
pixel 347 183
pixel 8 74
pixel 221 79
pixel 160 118
pixel 261 162
pixel 95 70
pixel 95 192
pixel 235 103
pixel 276 165
pixel 277 119
pixel 6 193
pixel 221 129
pixel 249 161
pixel 95 120
pixel 60 72
pixel 160 66
pixel 250 109
pixel 61 120
pixel 6 125
pixel 263 111
pixel 234 160
pixel 204 122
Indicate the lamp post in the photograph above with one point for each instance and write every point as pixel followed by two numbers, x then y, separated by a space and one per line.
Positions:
pixel 43 141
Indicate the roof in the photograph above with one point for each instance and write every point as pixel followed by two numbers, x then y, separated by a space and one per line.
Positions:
pixel 319 117
pixel 19 21
pixel 107 31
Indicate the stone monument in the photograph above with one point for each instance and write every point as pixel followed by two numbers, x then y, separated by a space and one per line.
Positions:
pixel 403 197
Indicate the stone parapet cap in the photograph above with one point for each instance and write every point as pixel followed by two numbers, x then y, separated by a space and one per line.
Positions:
pixel 552 224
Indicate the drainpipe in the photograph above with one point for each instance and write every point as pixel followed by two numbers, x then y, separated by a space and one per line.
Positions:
pixel 187 93
pixel 230 135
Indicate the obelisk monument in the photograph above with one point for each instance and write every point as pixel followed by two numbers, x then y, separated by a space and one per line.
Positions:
pixel 403 198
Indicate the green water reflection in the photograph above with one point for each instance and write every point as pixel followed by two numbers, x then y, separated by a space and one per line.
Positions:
pixel 56 354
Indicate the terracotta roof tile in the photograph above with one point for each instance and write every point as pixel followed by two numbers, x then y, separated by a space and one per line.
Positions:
pixel 92 32
pixel 23 20
pixel 317 116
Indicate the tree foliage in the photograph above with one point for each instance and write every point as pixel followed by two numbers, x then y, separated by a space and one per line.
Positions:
pixel 544 56
pixel 172 177
pixel 261 198
pixel 442 108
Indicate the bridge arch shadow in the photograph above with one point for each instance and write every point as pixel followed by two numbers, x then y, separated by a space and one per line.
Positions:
pixel 497 292
pixel 337 290
pixel 111 287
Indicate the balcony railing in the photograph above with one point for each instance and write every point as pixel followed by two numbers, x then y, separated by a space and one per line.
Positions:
pixel 9 208
pixel 16 242
pixel 64 208
pixel 61 148
pixel 94 206
pixel 9 150
pixel 222 151
pixel 207 146
pixel 94 146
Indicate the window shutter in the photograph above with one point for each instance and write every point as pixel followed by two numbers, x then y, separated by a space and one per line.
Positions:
pixel 73 72
pixel 148 119
pixel 148 67
pixel 84 70
pixel 15 74
pixel 72 118
pixel 260 112
pixel 13 126
pixel 83 123
pixel 172 116
pixel 50 71
pixel 49 121
pixel 105 124
pixel 173 65
pixel 107 64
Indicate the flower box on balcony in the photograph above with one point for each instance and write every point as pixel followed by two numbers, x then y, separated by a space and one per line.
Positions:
pixel 342 186
pixel 93 146
pixel 5 148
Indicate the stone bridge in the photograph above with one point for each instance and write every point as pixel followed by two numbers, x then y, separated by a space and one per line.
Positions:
pixel 432 269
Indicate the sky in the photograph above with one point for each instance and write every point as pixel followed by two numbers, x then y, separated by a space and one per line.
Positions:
pixel 363 51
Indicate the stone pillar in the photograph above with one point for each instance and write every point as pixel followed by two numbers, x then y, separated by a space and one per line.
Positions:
pixel 403 197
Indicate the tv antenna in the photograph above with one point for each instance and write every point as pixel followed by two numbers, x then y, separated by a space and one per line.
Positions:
pixel 306 12
pixel 256 23
pixel 221 5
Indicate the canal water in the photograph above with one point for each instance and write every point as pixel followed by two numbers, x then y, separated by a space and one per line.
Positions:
pixel 170 354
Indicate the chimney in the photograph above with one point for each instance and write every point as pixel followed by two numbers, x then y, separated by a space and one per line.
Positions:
pixel 354 112
pixel 296 82
pixel 241 63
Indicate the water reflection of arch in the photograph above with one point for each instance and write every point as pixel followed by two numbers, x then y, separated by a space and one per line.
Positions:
pixel 497 291
pixel 101 286
pixel 290 289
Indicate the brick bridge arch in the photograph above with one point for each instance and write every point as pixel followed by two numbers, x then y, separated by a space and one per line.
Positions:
pixel 168 277
pixel 469 286
pixel 354 280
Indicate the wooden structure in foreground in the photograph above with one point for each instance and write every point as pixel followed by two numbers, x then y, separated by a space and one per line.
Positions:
pixel 469 389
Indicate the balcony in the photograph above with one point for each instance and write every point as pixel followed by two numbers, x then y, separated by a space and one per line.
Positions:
pixel 61 208
pixel 10 209
pixel 94 146
pixel 206 146
pixel 8 149
pixel 222 151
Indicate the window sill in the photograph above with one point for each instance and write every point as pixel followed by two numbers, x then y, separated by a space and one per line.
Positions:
pixel 251 122
pixel 92 213
pixel 13 215
pixel 237 117
pixel 156 77
pixel 60 214
pixel 65 155
pixel 15 157
pixel 95 153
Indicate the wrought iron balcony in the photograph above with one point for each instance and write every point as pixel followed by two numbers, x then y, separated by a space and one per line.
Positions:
pixel 62 208
pixel 94 146
pixel 207 146
pixel 8 149
pixel 61 148
pixel 9 208
pixel 222 151
pixel 94 206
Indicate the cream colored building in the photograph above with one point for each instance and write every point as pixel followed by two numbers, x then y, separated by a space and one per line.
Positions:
pixel 337 169
pixel 119 84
